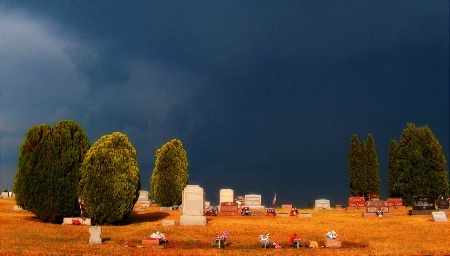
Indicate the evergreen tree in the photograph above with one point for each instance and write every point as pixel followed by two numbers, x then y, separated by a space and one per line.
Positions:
pixel 363 166
pixel 110 181
pixel 372 166
pixel 356 167
pixel 419 165
pixel 170 175
pixel 48 173
pixel 393 175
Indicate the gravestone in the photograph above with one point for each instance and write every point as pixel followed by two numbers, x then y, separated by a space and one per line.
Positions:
pixel 375 208
pixel 226 196
pixel 96 235
pixel 439 216
pixel 168 222
pixel 18 208
pixel 395 202
pixel 5 194
pixel 143 198
pixel 228 209
pixel 333 243
pixel 322 204
pixel 423 205
pixel 253 202
pixel 356 203
pixel 193 206
pixel 442 204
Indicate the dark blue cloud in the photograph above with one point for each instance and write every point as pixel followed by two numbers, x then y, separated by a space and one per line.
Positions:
pixel 264 95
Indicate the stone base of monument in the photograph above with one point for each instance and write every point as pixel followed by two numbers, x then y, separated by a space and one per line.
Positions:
pixel 144 203
pixel 193 220
pixel 151 241
pixel 333 243
pixel 374 214
pixel 420 212
pixel 283 214
pixel 356 208
pixel 76 220
pixel 228 213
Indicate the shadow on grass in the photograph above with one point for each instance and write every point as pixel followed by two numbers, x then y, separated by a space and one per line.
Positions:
pixel 144 217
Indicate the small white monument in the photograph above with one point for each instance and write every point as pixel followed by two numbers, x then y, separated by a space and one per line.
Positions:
pixel 226 196
pixel 322 204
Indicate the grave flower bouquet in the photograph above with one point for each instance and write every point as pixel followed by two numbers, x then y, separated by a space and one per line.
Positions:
pixel 220 239
pixel 264 240
pixel 159 235
pixel 332 234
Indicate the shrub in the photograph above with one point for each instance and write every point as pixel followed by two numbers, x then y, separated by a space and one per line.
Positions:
pixel 110 181
pixel 48 174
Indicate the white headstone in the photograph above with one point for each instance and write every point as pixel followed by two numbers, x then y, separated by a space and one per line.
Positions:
pixel 193 206
pixel 96 235
pixel 143 198
pixel 439 216
pixel 226 195
pixel 322 204
pixel 252 200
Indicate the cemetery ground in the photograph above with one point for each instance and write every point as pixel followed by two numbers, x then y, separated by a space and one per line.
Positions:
pixel 399 234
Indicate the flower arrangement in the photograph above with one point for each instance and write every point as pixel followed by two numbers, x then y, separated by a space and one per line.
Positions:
pixel 219 240
pixel 332 234
pixel 159 235
pixel 265 240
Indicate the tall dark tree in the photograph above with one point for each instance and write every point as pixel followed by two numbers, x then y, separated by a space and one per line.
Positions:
pixel 47 178
pixel 372 166
pixel 170 175
pixel 393 175
pixel 363 166
pixel 419 165
pixel 356 167
pixel 110 180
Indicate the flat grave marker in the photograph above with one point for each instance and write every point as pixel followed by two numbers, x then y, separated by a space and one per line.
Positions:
pixel 439 216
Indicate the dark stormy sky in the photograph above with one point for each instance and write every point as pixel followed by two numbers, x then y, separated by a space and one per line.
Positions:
pixel 264 95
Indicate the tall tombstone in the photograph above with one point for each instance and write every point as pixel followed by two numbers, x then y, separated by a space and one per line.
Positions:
pixel 226 195
pixel 143 199
pixel 193 206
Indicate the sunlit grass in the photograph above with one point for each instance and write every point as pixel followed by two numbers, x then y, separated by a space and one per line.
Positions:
pixel 400 234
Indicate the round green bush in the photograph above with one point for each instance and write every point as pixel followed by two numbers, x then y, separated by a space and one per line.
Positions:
pixel 110 181
pixel 46 182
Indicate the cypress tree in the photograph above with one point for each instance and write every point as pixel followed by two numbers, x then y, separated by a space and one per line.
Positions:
pixel 394 179
pixel 356 167
pixel 47 178
pixel 372 166
pixel 110 180
pixel 170 176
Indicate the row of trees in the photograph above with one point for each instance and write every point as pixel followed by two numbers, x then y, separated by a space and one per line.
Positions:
pixel 417 166
pixel 363 165
pixel 57 167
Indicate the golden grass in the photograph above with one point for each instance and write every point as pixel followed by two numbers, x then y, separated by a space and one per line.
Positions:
pixel 22 234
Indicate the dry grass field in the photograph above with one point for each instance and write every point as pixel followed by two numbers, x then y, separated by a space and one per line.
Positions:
pixel 399 234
